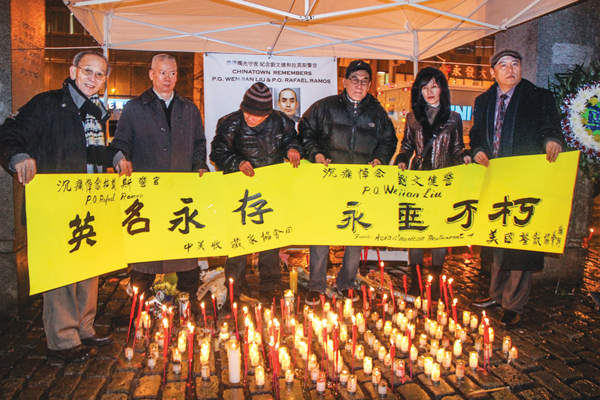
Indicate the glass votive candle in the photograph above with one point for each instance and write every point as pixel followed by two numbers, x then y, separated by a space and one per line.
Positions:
pixel 289 376
pixel 359 353
pixel 447 363
pixel 460 369
pixel 176 367
pixel 466 318
pixel 352 384
pixel 428 362
pixel 205 370
pixel 473 360
pixel 368 365
pixel 474 322
pixel 259 374
pixel 513 354
pixel 382 388
pixel 435 373
pixel 376 345
pixel 344 377
pixel 153 349
pixel 151 361
pixel 376 376
pixel 321 383
pixel 314 374
pixel 381 353
pixel 506 344
pixel 128 353
pixel 439 357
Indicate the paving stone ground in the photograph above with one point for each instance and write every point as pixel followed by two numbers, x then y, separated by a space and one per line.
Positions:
pixel 558 342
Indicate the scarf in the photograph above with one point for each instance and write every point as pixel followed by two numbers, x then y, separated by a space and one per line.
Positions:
pixel 91 112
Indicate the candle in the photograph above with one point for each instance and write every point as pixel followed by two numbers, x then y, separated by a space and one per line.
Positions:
pixel 205 370
pixel 460 369
pixel 234 360
pixel 435 373
pixel 151 361
pixel 360 322
pixel 451 326
pixel 447 363
pixel 404 344
pixel 376 345
pixel 439 332
pixel 506 344
pixel 457 348
pixel 368 365
pixel 289 376
pixel 376 376
pixel 381 353
pixel 423 340
pixel 382 388
pixel 344 377
pixel 352 384
pixel 466 318
pixel 259 374
pixel 379 324
pixel 135 290
pixel 432 327
pixel 294 280
pixel 414 353
pixel 176 355
pixel 153 349
pixel 513 354
pixel 176 367
pixel 400 369
pixel 321 383
pixel 491 334
pixel 231 292
pixel 181 344
pixel 473 359
pixel 427 363
pixel 359 354
pixel 474 322
pixel 314 374
pixel 417 303
pixel 128 353
pixel 435 346
pixel 439 357
pixel 387 329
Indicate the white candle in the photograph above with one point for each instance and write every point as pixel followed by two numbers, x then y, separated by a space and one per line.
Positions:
pixel 447 359
pixel 181 344
pixel 314 374
pixel 151 361
pixel 427 363
pixel 352 384
pixel 417 303
pixel 289 376
pixel 344 377
pixel 439 357
pixel 404 344
pixel 205 370
pixel 376 377
pixel 513 354
pixel 176 355
pixel 506 344
pixel 382 388
pixel 414 353
pixel 423 340
pixel 457 348
pixel 234 359
pixel 433 349
pixel 474 322
pixel 473 359
pixel 176 367
pixel 379 324
pixel 435 373
pixel 491 334
pixel 466 317
pixel 451 325
pixel 321 384
pixel 259 373
pixel 368 365
pixel 381 353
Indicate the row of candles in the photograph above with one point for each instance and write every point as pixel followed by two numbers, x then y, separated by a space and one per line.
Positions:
pixel 333 329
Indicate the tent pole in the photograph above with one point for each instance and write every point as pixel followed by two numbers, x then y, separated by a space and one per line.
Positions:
pixel 105 52
pixel 415 53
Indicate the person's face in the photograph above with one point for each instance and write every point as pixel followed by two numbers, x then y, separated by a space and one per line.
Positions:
pixel 431 93
pixel 90 74
pixel 507 72
pixel 357 85
pixel 254 120
pixel 164 77
pixel 287 102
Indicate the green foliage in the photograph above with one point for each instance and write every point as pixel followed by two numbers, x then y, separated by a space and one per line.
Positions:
pixel 567 83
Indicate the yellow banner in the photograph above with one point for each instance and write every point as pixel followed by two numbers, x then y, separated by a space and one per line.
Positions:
pixel 81 226
pixel 72 229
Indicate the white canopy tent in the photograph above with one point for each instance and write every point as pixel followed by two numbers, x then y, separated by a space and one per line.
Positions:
pixel 371 29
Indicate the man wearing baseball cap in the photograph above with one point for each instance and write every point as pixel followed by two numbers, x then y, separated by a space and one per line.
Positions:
pixel 513 118
pixel 349 128
pixel 252 137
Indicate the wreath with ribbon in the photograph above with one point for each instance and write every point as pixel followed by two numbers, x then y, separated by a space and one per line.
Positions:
pixel 581 124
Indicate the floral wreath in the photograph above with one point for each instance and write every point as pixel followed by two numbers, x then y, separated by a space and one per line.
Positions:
pixel 581 124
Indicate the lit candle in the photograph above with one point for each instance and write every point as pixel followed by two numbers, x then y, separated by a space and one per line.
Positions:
pixel 427 363
pixel 400 368
pixel 128 353
pixel 404 344
pixel 474 322
pixel 439 357
pixel 432 327
pixel 294 280
pixel 314 374
pixel 506 344
pixel 435 373
pixel 381 353
pixel 387 328
pixel 368 365
pixel 439 332
pixel 344 377
pixel 321 382
pixel 451 326
pixel 181 344
pixel 376 345
pixel 352 384
pixel 359 354
pixel 289 376
pixel 447 360
pixel 460 369
pixel 176 367
pixel 457 348
pixel 153 349
pixel 423 340
pixel 414 353
pixel 513 354
pixel 379 324
pixel 435 346
pixel 176 355
pixel 234 360
pixel 259 373
pixel 376 376
pixel 205 370
pixel 491 334
pixel 473 359
pixel 151 361
pixel 417 303
pixel 466 318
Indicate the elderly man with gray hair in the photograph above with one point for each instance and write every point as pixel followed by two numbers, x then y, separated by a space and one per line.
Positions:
pixel 161 131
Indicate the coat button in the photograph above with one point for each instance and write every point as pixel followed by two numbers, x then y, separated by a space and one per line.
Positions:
pixel 64 104
pixel 162 129
pixel 166 148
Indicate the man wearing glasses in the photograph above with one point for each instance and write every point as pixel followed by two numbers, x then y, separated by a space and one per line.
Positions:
pixel 349 128
pixel 62 131
pixel 161 131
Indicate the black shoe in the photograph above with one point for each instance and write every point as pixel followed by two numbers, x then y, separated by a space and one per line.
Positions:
pixel 313 298
pixel 76 354
pixel 96 340
pixel 485 304
pixel 346 295
pixel 509 318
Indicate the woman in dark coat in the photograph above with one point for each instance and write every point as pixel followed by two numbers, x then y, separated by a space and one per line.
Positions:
pixel 434 134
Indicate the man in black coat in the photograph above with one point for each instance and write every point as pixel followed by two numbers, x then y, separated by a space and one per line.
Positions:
pixel 161 131
pixel 63 131
pixel 252 137
pixel 349 128
pixel 513 118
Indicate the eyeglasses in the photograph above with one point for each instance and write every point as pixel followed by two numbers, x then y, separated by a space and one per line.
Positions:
pixel 362 82
pixel 101 76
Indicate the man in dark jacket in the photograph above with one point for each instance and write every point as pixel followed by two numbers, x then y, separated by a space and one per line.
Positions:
pixel 349 128
pixel 252 137
pixel 513 118
pixel 62 131
pixel 161 131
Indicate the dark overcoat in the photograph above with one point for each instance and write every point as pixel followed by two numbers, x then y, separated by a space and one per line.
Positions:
pixel 145 137
pixel 531 120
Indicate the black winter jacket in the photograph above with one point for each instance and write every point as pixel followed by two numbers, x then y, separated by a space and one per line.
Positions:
pixel 262 145
pixel 347 133
pixel 49 129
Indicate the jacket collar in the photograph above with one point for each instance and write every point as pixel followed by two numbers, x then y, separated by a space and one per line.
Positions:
pixel 69 103
pixel 149 96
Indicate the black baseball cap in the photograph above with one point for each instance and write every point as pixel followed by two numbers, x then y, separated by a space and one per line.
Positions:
pixel 358 65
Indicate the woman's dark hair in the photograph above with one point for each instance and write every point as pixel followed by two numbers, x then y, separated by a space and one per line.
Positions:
pixel 419 104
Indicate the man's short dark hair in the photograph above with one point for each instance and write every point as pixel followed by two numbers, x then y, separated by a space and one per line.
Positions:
pixel 505 52
pixel 79 56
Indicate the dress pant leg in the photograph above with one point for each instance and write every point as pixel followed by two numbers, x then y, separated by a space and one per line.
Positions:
pixel 499 277
pixel 235 268
pixel 318 268
pixel 350 262
pixel 142 281
pixel 516 291
pixel 87 304
pixel 269 269
pixel 415 256
pixel 61 318
pixel 438 256
pixel 187 281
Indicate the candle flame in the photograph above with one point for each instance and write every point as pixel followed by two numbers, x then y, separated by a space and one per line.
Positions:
pixel 213 296
pixel 353 320
pixel 135 289
pixel 444 278
pixel 450 281
pixel 382 264
pixel 165 322
pixel 142 297
pixel 202 304
pixel 430 278
pixel 454 301
pixel 245 310
pixel 230 280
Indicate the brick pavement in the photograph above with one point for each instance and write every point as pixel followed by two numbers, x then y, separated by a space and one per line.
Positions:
pixel 559 353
